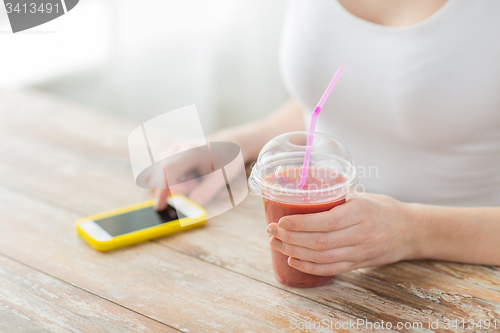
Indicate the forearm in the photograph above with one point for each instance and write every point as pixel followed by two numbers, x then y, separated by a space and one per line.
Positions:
pixel 470 235
pixel 253 136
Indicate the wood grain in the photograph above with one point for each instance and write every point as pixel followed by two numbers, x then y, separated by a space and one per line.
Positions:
pixel 31 301
pixel 63 165
pixel 395 293
pixel 172 288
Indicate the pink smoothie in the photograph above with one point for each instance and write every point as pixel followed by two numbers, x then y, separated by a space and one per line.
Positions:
pixel 275 210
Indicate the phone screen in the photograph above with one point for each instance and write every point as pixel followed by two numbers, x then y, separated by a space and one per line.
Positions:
pixel 137 219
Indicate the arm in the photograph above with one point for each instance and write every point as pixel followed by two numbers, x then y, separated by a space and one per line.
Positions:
pixel 373 230
pixel 470 235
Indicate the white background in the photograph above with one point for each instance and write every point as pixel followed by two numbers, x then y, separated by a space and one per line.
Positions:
pixel 145 57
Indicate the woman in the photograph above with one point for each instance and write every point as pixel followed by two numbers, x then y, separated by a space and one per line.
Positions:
pixel 419 101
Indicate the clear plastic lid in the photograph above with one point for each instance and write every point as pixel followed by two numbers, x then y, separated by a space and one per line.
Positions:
pixel 276 175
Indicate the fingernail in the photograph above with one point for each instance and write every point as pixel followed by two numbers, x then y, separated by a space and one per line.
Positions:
pixel 272 230
pixel 156 203
pixel 276 243
pixel 294 262
pixel 285 224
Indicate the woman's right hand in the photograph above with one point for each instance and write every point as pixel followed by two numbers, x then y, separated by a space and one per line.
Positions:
pixel 249 137
pixel 190 170
pixel 187 162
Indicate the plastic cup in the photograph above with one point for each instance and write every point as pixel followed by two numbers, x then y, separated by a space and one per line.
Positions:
pixel 276 177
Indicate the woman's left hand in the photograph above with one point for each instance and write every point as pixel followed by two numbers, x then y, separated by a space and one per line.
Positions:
pixel 367 230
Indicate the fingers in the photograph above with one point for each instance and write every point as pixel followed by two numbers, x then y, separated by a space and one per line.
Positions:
pixel 325 263
pixel 320 257
pixel 205 191
pixel 321 269
pixel 161 199
pixel 339 217
pixel 315 240
pixel 186 164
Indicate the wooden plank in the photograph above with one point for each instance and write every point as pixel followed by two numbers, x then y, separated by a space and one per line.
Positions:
pixel 173 288
pixel 463 298
pixel 395 293
pixel 374 294
pixel 485 276
pixel 61 122
pixel 76 181
pixel 31 301
pixel 32 123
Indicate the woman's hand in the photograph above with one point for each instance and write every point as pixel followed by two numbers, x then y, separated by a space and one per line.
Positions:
pixel 250 137
pixel 368 230
pixel 190 167
pixel 187 162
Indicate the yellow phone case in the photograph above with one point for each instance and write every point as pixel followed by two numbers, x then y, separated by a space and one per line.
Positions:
pixel 140 235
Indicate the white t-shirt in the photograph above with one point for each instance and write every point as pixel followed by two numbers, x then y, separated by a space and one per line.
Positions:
pixel 418 107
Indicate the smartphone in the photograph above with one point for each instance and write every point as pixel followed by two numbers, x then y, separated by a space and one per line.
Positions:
pixel 139 223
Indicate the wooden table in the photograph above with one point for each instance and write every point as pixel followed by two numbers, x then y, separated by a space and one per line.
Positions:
pixel 60 162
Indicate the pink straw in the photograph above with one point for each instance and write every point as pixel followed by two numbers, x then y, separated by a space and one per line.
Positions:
pixel 305 166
